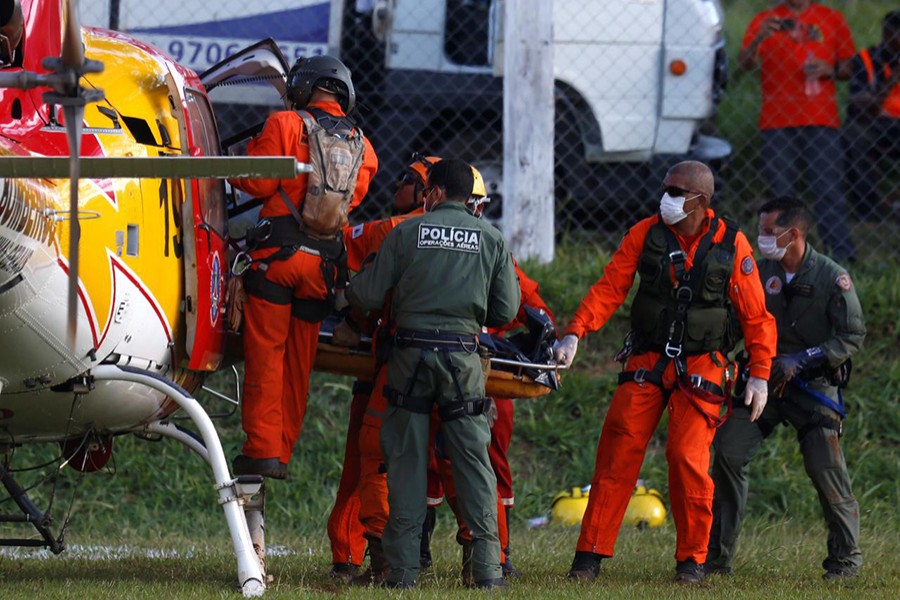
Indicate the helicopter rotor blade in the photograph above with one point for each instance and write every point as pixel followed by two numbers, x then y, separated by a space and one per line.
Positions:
pixel 72 65
pixel 72 54
pixel 73 114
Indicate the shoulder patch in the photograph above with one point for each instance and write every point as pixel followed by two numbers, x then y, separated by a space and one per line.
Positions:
pixel 843 282
pixel 356 231
pixel 773 285
pixel 444 237
pixel 747 265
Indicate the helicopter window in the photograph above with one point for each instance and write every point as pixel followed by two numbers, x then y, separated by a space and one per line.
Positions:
pixel 132 248
pixel 206 138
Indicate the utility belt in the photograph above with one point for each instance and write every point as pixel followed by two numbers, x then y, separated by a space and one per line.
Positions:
pixel 422 405
pixel 655 377
pixel 443 344
pixel 278 232
pixel 435 341
pixel 699 391
pixel 285 233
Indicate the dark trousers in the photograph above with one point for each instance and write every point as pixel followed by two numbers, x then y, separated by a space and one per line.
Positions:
pixel 735 445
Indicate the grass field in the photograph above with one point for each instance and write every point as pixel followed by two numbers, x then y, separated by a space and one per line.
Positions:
pixel 778 560
pixel 157 496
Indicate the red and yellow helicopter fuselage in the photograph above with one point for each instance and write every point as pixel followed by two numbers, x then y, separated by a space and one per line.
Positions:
pixel 153 263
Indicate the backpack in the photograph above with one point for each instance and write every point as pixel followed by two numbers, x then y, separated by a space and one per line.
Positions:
pixel 336 151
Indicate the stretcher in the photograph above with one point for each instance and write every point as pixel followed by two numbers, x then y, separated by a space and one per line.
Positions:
pixel 510 374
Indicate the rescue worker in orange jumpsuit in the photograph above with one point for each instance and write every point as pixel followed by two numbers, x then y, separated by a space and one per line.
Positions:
pixel 695 268
pixel 345 531
pixel 288 294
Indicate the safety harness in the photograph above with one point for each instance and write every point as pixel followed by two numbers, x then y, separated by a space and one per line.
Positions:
pixel 443 343
pixel 697 389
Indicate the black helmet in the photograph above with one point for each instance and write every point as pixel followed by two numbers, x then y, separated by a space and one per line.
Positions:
pixel 325 72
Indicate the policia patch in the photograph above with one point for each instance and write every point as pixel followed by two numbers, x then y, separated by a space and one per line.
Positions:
pixel 441 237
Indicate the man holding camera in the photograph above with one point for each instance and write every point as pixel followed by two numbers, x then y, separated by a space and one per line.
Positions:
pixel 801 48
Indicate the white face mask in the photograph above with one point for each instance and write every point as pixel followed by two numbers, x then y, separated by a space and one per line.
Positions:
pixel 768 246
pixel 672 209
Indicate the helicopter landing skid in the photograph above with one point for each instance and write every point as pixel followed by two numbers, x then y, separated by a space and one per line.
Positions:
pixel 231 491
pixel 30 514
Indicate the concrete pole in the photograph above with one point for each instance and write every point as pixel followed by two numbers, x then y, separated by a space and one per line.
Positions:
pixel 528 108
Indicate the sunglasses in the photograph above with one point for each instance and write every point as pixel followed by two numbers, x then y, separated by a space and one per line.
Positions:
pixel 677 192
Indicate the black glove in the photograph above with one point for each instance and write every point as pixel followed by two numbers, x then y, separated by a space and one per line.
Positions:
pixel 786 366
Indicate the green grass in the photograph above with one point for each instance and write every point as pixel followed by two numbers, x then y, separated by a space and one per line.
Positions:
pixel 777 560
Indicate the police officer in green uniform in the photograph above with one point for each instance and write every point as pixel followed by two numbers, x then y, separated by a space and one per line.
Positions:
pixel 820 325
pixel 449 274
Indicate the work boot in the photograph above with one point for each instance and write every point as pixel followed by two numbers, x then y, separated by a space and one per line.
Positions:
pixel 267 467
pixel 509 571
pixel 343 572
pixel 379 569
pixel 468 579
pixel 427 531
pixel 838 574
pixel 585 565
pixel 492 584
pixel 689 572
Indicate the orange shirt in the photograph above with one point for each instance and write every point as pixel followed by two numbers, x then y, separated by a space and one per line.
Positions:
pixel 820 31
pixel 745 290
pixel 281 136
pixel 365 239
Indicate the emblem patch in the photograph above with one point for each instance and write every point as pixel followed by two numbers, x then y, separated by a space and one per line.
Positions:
pixel 747 265
pixel 773 285
pixel 215 288
pixel 843 282
pixel 441 237
pixel 356 232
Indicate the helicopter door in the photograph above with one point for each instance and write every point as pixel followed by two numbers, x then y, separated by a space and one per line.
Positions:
pixel 205 244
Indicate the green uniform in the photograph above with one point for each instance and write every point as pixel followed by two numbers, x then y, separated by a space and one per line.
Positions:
pixel 450 274
pixel 818 308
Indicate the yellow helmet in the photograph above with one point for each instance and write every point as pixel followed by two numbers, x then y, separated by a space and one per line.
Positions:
pixel 646 508
pixel 479 196
pixel 478 189
pixel 568 506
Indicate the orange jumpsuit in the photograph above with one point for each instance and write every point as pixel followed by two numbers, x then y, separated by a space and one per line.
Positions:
pixel 345 528
pixel 636 408
pixel 279 350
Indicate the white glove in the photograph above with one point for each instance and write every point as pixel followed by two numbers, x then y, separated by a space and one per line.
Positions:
pixel 756 396
pixel 564 350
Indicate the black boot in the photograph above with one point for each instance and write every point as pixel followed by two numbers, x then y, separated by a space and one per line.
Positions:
pixel 688 571
pixel 586 565
pixel 427 531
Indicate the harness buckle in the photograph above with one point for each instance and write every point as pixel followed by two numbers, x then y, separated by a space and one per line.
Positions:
pixel 673 350
pixel 684 294
pixel 241 263
pixel 640 376
pixel 677 255
pixel 696 380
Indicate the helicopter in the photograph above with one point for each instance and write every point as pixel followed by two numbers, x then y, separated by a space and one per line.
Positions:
pixel 114 256
pixel 113 252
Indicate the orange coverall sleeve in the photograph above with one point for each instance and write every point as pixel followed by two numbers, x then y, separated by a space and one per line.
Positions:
pixel 278 138
pixel 282 135
pixel 610 291
pixel 749 301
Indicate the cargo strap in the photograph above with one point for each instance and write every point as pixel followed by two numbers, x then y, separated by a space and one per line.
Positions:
pixel 417 404
pixel 819 421
pixel 466 408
